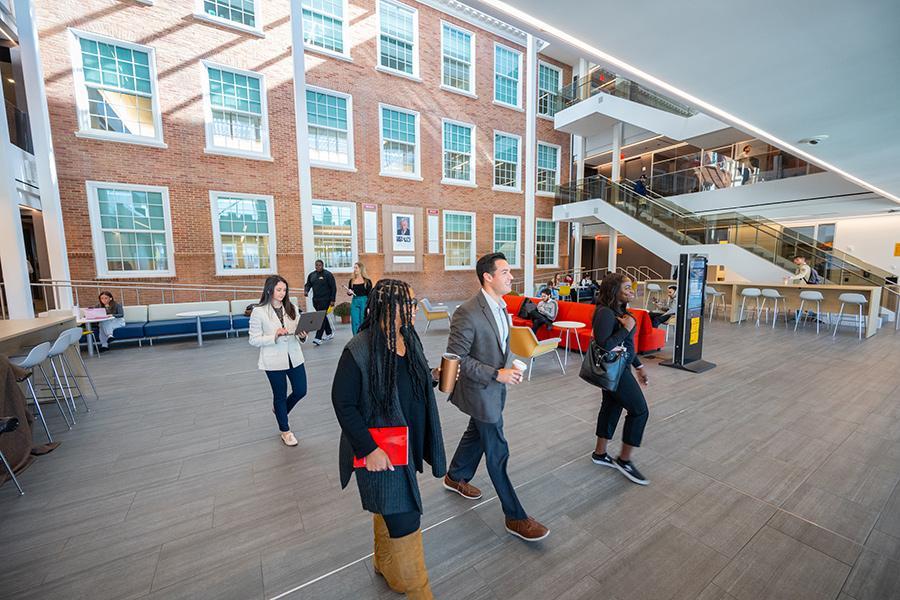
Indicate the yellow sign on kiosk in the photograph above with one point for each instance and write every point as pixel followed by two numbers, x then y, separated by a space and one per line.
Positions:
pixel 695 331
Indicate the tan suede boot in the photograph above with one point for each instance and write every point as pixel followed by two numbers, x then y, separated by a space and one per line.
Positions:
pixel 382 561
pixel 409 561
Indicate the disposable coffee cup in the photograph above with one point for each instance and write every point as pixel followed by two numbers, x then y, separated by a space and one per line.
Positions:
pixel 449 369
pixel 518 364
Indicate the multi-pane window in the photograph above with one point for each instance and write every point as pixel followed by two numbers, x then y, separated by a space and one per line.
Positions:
pixel 399 147
pixel 549 78
pixel 323 25
pixel 457 49
pixel 397 37
pixel 506 161
pixel 132 233
pixel 334 234
pixel 240 12
pixel 545 249
pixel 547 167
pixel 458 141
pixel 459 240
pixel 506 237
pixel 119 81
pixel 330 134
pixel 243 226
pixel 237 118
pixel 507 65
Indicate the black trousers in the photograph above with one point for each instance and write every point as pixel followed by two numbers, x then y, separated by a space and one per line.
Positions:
pixel 486 439
pixel 629 397
pixel 538 321
pixel 656 318
pixel 402 524
pixel 326 324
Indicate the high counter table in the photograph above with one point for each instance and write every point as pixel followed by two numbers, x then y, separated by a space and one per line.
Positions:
pixel 18 336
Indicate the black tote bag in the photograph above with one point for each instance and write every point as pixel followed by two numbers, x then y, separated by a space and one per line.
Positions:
pixel 603 368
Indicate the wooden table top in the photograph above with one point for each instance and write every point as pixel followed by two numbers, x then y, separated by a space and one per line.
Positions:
pixel 13 328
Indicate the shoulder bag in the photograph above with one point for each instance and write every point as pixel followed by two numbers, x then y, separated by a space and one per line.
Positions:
pixel 603 368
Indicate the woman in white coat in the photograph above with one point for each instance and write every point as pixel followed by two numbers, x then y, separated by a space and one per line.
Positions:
pixel 272 326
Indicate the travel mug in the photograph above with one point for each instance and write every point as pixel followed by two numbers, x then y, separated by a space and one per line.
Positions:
pixel 449 369
pixel 518 364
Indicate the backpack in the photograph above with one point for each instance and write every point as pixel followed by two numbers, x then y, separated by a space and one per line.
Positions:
pixel 814 277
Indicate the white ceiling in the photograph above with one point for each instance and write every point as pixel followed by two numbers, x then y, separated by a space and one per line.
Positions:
pixel 791 69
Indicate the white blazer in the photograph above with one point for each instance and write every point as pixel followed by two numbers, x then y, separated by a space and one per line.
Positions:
pixel 273 354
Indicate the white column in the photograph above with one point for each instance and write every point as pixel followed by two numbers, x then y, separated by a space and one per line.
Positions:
pixel 302 125
pixel 45 159
pixel 16 285
pixel 530 158
pixel 613 250
pixel 578 146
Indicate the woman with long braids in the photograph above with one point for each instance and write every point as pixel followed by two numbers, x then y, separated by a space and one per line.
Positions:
pixel 272 326
pixel 383 380
pixel 614 328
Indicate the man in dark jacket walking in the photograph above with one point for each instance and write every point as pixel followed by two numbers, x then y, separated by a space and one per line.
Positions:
pixel 324 290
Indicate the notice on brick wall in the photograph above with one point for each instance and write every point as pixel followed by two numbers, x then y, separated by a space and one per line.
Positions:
pixel 370 231
pixel 433 227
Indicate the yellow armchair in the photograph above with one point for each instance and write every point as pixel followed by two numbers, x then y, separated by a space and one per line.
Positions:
pixel 523 342
pixel 434 312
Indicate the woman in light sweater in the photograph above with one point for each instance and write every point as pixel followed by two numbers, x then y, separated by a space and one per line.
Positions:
pixel 273 323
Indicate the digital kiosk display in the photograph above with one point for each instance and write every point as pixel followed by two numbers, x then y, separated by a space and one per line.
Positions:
pixel 689 318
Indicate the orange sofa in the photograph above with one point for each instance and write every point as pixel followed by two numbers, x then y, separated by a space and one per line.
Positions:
pixel 647 338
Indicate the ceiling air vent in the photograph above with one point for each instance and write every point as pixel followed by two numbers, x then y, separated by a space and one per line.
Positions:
pixel 814 140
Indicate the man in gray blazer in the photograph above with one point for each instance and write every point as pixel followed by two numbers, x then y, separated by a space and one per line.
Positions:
pixel 479 334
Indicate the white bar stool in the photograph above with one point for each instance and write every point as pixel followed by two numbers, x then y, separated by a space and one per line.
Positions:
pixel 66 339
pixel 854 299
pixel 716 297
pixel 33 359
pixel 654 290
pixel 816 297
pixel 754 293
pixel 7 425
pixel 775 296
pixel 76 333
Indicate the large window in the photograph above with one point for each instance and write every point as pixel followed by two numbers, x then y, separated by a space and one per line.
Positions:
pixel 549 79
pixel 325 26
pixel 457 59
pixel 506 162
pixel 116 90
pixel 547 167
pixel 459 240
pixel 398 27
pixel 546 249
pixel 243 233
pixel 507 68
pixel 236 119
pixel 132 230
pixel 334 234
pixel 330 116
pixel 459 150
pixel 506 237
pixel 241 14
pixel 399 142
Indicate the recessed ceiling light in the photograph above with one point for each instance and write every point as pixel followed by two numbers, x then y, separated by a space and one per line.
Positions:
pixel 10 79
pixel 814 140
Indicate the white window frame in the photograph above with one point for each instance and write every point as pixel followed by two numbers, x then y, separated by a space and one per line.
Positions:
pixel 216 20
pixel 81 98
pixel 417 175
pixel 560 72
pixel 555 263
pixel 345 36
pixel 473 253
pixel 265 153
pixel 503 188
pixel 354 233
pixel 462 182
pixel 517 106
pixel 558 168
pixel 470 92
pixel 217 235
pixel 516 263
pixel 350 165
pixel 378 66
pixel 99 244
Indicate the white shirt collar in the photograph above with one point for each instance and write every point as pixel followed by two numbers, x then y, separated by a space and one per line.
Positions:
pixel 494 304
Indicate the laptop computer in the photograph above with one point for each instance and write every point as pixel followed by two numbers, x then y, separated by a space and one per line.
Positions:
pixel 310 321
pixel 93 313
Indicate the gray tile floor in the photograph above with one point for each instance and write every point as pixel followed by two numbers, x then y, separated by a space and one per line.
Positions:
pixel 773 476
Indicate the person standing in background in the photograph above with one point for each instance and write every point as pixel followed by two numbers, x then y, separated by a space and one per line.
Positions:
pixel 359 288
pixel 324 290
pixel 117 311
pixel 273 323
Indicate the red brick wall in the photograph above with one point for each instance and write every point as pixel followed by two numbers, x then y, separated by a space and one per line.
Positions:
pixel 182 41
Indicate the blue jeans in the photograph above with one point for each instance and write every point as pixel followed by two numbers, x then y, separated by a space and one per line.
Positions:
pixel 357 312
pixel 281 402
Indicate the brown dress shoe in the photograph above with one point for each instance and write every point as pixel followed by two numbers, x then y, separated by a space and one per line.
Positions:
pixel 528 529
pixel 466 490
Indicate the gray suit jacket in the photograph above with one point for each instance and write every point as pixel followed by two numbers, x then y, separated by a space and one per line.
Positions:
pixel 474 337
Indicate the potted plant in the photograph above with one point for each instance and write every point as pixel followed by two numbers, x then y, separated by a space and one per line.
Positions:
pixel 342 310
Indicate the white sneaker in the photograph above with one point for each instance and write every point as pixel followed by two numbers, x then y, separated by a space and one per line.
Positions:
pixel 289 439
pixel 328 337
pixel 317 342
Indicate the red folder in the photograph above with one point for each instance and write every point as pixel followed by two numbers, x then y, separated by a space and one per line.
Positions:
pixel 393 440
